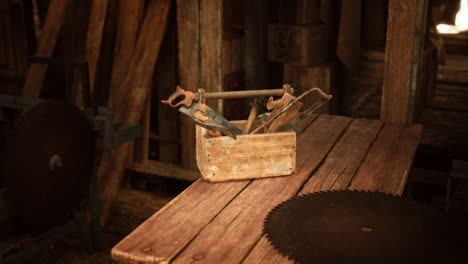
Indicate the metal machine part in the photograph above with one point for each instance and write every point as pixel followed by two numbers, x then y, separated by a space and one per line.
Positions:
pixel 330 227
pixel 211 120
pixel 48 165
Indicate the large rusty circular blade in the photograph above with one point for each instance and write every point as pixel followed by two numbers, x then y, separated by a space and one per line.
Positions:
pixel 49 163
pixel 331 227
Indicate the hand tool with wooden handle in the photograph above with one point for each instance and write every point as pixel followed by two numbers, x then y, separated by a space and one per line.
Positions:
pixel 324 98
pixel 193 105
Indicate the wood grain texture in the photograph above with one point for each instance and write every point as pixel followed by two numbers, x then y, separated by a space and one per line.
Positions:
pixel 348 44
pixel 248 156
pixel 344 160
pixel 335 172
pixel 188 33
pixel 131 105
pixel 404 51
pixel 183 218
pixel 211 40
pixel 129 22
pixel 388 163
pixel 166 81
pixel 231 235
pixel 95 36
pixel 51 29
pixel 299 45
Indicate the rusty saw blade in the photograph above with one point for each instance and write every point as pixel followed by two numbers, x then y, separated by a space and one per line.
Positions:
pixel 213 121
pixel 331 227
pixel 49 163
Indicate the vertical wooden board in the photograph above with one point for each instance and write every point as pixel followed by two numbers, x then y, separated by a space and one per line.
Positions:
pixel 74 45
pixel 299 12
pixel 405 45
pixel 128 24
pixel 141 144
pixel 189 64
pixel 231 235
pixel 345 158
pixel 36 73
pixel 387 165
pixel 105 56
pixel 348 44
pixel 299 45
pixel 305 78
pixel 254 55
pixel 3 46
pixel 166 81
pixel 374 23
pixel 94 38
pixel 160 238
pixel 131 104
pixel 211 40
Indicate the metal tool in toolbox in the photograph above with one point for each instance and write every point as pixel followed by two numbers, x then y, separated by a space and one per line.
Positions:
pixel 287 107
pixel 331 226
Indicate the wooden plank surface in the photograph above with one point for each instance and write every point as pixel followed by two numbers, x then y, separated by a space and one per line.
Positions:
pixel 231 235
pixel 222 222
pixel 389 161
pixel 404 52
pixel 344 160
pixel 336 172
pixel 51 29
pixel 160 238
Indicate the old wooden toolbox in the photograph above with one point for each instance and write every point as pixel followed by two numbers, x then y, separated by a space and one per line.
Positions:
pixel 248 156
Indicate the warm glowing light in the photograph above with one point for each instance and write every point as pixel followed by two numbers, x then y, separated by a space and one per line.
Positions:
pixel 461 21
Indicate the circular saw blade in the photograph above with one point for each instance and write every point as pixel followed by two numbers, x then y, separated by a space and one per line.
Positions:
pixel 329 227
pixel 49 163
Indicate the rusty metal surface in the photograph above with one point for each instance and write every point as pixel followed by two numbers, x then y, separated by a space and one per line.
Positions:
pixel 329 227
pixel 48 164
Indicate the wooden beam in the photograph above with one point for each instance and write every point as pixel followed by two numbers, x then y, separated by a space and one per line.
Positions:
pixel 211 39
pixel 36 73
pixel 129 21
pixel 132 102
pixel 406 31
pixel 188 32
pixel 94 38
pixel 166 74
pixel 349 45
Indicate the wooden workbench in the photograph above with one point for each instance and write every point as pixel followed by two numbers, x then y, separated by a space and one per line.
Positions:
pixel 223 222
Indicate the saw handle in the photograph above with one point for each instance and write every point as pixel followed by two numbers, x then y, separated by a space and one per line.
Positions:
pixel 180 97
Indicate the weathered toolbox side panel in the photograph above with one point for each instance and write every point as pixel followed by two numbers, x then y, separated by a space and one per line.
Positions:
pixel 248 156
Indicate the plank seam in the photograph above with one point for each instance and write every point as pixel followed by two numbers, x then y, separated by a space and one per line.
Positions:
pixel 313 171
pixel 212 219
pixel 361 161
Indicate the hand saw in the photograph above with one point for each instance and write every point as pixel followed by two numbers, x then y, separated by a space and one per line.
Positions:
pixel 193 105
